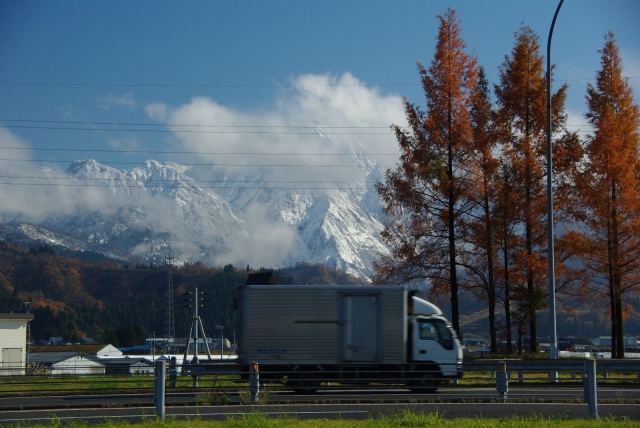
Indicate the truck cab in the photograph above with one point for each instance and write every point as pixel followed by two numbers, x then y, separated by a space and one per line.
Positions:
pixel 432 339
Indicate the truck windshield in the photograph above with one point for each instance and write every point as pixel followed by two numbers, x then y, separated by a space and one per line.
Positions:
pixel 436 330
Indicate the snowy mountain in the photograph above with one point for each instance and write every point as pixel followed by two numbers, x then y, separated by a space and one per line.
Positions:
pixel 211 215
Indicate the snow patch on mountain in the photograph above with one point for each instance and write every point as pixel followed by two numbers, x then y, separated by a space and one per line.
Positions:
pixel 220 216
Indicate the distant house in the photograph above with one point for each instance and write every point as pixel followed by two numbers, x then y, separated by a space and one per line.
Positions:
pixel 129 366
pixel 98 351
pixel 605 341
pixel 576 344
pixel 473 341
pixel 261 278
pixel 13 342
pixel 136 350
pixel 65 363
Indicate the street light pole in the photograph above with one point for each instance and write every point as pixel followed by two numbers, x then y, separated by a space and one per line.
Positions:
pixel 553 339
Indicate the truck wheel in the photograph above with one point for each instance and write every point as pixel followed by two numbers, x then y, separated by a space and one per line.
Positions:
pixel 305 383
pixel 425 384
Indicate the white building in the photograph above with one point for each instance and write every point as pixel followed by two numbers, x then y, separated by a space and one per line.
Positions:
pixel 98 350
pixel 13 342
pixel 65 363
pixel 606 341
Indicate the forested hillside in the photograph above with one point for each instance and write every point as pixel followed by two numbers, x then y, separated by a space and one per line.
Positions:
pixel 123 305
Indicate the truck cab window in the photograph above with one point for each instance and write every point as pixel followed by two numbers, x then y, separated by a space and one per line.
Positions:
pixel 437 330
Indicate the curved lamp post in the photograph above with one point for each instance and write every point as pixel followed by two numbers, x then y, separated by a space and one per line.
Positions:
pixel 553 340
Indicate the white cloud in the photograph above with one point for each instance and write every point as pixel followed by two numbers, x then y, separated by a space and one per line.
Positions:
pixel 126 143
pixel 28 194
pixel 577 122
pixel 110 100
pixel 321 116
pixel 267 244
pixel 631 69
pixel 157 111
pixel 67 111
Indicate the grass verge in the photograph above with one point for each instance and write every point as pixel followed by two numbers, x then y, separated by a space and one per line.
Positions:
pixel 404 419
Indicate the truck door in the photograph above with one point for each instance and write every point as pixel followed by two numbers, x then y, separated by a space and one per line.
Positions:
pixel 360 328
pixel 432 340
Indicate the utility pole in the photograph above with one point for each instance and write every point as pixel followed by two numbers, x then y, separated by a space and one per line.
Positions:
pixel 27 309
pixel 169 322
pixel 553 340
pixel 196 326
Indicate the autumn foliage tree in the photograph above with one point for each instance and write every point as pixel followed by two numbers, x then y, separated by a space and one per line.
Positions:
pixel 521 118
pixel 607 204
pixel 426 194
pixel 478 228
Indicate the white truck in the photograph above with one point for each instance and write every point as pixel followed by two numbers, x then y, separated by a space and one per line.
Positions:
pixel 309 335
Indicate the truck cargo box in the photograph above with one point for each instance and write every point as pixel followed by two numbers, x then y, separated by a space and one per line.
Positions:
pixel 311 324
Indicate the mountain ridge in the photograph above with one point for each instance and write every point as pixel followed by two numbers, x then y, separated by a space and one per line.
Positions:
pixel 216 216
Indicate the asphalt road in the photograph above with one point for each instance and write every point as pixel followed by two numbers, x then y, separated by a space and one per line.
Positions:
pixel 347 404
pixel 323 411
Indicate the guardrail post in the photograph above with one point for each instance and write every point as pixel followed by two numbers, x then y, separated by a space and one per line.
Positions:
pixel 502 381
pixel 254 382
pixel 590 387
pixel 159 389
pixel 520 376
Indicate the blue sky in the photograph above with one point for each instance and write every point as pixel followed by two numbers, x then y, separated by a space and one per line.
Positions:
pixel 270 63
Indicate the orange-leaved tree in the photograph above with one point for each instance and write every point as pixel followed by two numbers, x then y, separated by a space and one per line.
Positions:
pixel 425 195
pixel 521 116
pixel 478 230
pixel 607 205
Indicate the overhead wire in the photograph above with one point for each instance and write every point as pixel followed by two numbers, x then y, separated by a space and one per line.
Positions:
pixel 155 180
pixel 195 164
pixel 192 152
pixel 187 187
pixel 190 131
pixel 230 86
pixel 193 125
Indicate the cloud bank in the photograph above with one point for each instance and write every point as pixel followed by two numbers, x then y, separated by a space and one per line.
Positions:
pixel 320 124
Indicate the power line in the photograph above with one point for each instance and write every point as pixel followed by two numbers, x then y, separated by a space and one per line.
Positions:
pixel 197 164
pixel 191 131
pixel 169 180
pixel 63 122
pixel 186 187
pixel 194 125
pixel 193 152
pixel 178 85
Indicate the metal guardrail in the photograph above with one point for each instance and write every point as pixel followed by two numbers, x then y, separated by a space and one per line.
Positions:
pixel 230 381
pixel 545 365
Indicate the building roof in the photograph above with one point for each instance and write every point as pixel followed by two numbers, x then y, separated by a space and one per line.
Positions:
pixel 127 361
pixel 575 340
pixel 89 349
pixel 261 278
pixel 16 316
pixel 56 357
